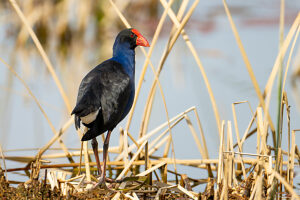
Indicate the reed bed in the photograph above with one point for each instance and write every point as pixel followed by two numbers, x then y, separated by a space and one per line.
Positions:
pixel 139 172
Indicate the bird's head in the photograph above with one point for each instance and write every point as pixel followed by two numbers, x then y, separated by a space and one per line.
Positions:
pixel 131 37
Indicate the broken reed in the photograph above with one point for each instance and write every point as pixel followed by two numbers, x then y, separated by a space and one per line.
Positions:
pixel 230 171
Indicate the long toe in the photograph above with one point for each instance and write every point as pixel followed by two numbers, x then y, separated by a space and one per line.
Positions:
pixel 101 183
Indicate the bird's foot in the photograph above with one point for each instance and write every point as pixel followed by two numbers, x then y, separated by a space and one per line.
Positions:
pixel 101 183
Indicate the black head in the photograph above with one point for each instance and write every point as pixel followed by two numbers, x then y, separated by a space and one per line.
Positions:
pixel 132 37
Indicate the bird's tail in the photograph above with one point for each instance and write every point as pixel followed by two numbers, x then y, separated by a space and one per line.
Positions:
pixel 88 136
pixel 92 132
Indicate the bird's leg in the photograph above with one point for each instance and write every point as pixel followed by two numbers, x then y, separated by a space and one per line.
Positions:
pixel 95 149
pixel 105 148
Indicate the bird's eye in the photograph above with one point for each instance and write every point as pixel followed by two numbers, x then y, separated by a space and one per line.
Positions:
pixel 131 35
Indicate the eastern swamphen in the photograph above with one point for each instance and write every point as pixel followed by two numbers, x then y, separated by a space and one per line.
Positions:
pixel 106 93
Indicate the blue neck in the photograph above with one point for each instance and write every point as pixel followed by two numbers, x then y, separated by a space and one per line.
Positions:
pixel 125 55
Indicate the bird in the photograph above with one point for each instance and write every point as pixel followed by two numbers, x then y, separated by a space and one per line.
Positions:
pixel 106 93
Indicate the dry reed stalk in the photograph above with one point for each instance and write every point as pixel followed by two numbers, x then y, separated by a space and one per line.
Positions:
pixel 86 161
pixel 21 159
pixel 121 140
pixel 80 183
pixel 290 58
pixel 130 197
pixel 122 186
pixel 189 193
pixel 279 169
pixel 42 52
pixel 159 144
pixel 153 132
pixel 180 15
pixel 246 133
pixel 125 148
pixel 155 167
pixel 227 170
pixel 3 160
pixel 186 182
pixel 259 188
pixel 155 37
pixel 236 124
pixel 203 141
pixel 248 154
pixel 295 77
pixel 147 161
pixel 259 129
pixel 231 157
pixel 201 133
pixel 40 108
pixel 268 168
pixel 135 196
pixel 158 138
pixel 297 152
pixel 279 82
pixel 256 192
pixel 132 139
pixel 250 69
pixel 202 151
pixel 125 170
pixel 195 163
pixel 261 133
pixel 164 174
pixel 195 136
pixel 180 30
pixel 150 99
pixel 225 173
pixel 293 157
pixel 148 107
pixel 286 185
pixel 167 147
pixel 33 16
pixel 285 100
pixel 56 137
pixel 283 49
pixel 151 95
pixel 74 178
pixel 240 147
pixel 220 160
pixel 58 155
pixel 281 23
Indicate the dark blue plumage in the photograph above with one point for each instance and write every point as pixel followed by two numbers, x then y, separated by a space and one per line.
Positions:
pixel 107 92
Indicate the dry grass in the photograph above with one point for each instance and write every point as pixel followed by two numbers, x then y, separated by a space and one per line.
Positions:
pixel 234 175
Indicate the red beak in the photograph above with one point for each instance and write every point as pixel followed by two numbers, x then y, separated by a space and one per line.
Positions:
pixel 140 41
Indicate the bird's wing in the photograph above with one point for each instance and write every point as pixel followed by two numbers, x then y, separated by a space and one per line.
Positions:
pixel 116 90
pixel 106 84
pixel 88 99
